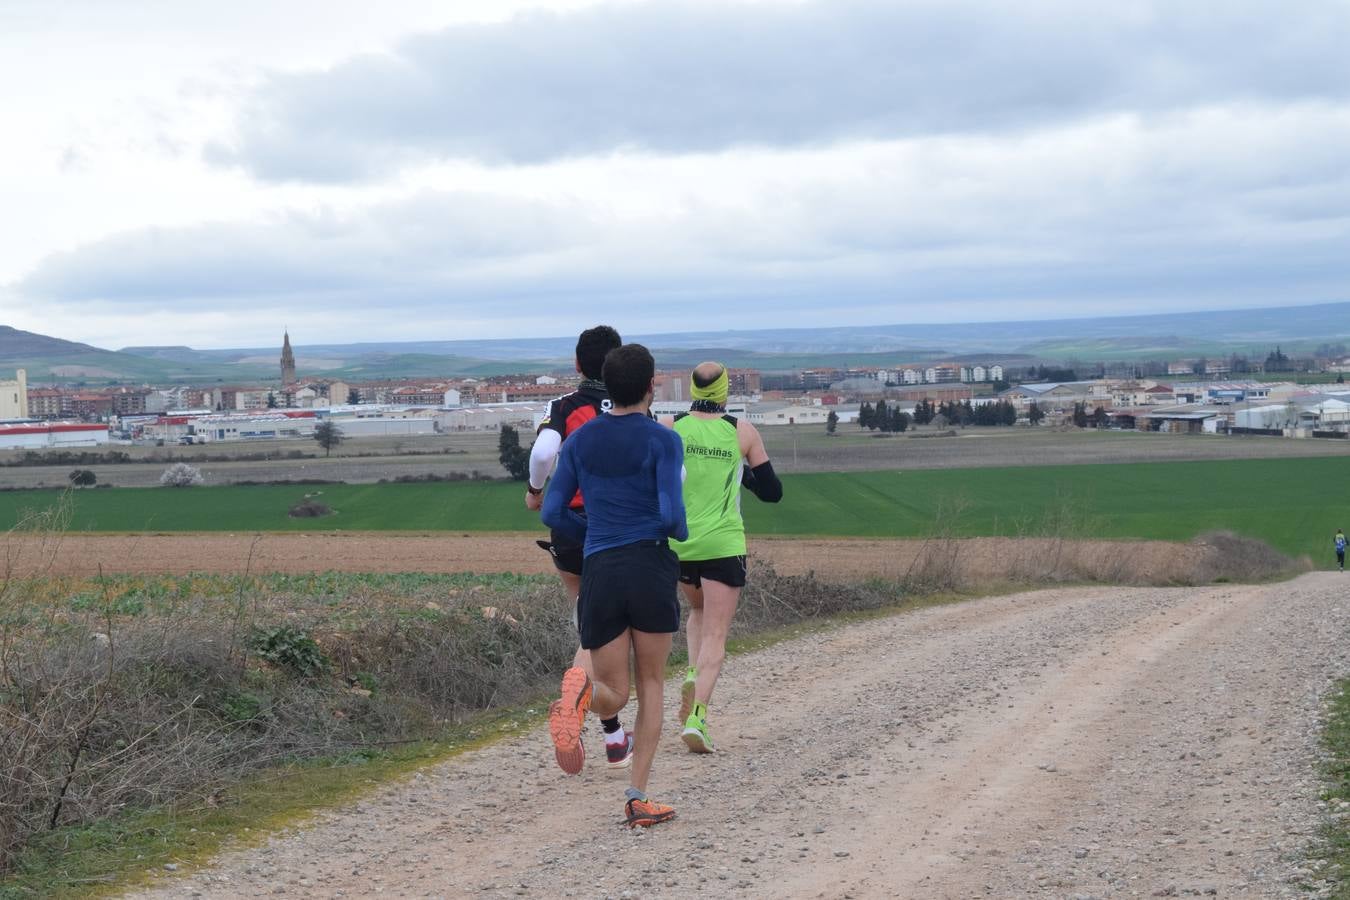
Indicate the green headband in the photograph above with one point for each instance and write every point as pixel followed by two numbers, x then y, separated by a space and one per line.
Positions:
pixel 716 392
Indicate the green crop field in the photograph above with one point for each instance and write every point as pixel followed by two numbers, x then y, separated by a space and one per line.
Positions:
pixel 1294 504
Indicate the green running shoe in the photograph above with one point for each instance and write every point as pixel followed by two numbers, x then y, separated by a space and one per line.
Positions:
pixel 695 735
pixel 686 699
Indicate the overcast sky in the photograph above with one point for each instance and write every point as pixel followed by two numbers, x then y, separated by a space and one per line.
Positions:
pixel 206 173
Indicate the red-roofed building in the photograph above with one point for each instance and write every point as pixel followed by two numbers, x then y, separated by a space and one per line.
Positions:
pixel 91 406
pixel 48 403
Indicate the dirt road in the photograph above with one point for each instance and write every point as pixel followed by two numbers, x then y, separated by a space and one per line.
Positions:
pixel 1109 742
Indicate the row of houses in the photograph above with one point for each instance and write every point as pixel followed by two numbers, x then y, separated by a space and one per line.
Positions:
pixel 1130 393
pixel 1239 407
pixel 19 401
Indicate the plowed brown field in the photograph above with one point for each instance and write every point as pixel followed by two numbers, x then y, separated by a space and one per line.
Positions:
pixel 978 559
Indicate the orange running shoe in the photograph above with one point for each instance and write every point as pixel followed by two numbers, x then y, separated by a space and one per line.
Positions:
pixel 646 813
pixel 565 718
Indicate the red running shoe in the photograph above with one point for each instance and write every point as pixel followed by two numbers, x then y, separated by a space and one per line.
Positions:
pixel 620 756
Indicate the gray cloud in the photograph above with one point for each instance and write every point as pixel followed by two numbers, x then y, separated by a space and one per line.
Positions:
pixel 314 254
pixel 696 77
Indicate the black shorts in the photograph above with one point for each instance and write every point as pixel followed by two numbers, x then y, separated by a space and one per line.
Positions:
pixel 728 570
pixel 567 553
pixel 632 586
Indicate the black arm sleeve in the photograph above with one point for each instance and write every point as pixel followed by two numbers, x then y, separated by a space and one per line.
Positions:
pixel 762 482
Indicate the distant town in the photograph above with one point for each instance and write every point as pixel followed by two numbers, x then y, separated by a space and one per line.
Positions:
pixel 1201 396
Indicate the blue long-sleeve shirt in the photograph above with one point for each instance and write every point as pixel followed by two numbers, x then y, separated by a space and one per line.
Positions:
pixel 628 470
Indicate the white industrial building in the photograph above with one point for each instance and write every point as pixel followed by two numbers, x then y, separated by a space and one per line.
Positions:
pixel 492 416
pixel 48 435
pixel 771 414
pixel 378 426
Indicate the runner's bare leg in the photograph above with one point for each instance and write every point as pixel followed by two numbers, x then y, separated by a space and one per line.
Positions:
pixel 719 607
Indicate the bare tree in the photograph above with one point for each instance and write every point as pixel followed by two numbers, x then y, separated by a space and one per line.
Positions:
pixel 328 436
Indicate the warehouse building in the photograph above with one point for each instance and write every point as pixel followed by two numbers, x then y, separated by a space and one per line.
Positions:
pixel 48 435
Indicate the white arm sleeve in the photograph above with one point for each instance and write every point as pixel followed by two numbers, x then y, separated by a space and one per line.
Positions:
pixel 542 454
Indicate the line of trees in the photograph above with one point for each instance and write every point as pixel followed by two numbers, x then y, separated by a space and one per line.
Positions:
pixel 1000 412
pixel 1051 373
pixel 883 418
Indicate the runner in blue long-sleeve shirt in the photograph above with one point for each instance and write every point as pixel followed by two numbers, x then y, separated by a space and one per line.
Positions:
pixel 628 468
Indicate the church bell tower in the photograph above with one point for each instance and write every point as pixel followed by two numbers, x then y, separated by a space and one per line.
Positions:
pixel 287 363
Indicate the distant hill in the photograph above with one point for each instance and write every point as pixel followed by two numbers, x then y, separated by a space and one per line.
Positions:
pixel 52 359
pixel 1170 336
pixel 174 354
pixel 1113 337
pixel 16 345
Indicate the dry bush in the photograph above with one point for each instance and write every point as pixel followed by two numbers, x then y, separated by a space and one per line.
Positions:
pixel 467 658
pixel 936 568
pixel 104 709
pixel 940 565
pixel 1230 557
pixel 309 509
pixel 96 718
pixel 181 475
pixel 770 600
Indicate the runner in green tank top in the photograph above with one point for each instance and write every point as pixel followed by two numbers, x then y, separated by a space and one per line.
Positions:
pixel 712 487
pixel 720 455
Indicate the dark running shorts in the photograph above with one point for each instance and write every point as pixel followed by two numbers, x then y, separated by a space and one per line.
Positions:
pixel 632 586
pixel 567 553
pixel 728 570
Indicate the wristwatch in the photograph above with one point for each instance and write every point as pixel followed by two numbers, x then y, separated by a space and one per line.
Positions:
pixel 534 490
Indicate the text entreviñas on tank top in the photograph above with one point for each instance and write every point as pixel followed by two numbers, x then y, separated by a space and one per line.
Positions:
pixel 712 488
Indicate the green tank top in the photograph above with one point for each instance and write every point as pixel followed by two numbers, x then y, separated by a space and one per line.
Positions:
pixel 712 488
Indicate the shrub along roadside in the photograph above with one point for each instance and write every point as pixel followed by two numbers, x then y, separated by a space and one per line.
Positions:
pixel 122 694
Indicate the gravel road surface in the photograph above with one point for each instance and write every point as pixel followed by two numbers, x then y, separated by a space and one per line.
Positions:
pixel 1102 742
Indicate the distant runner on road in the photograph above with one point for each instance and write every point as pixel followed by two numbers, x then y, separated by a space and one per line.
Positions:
pixel 628 467
pixel 1340 549
pixel 564 416
pixel 721 453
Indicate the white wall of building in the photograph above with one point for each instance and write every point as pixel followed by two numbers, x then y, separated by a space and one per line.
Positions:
pixel 14 396
pixel 1269 416
pixel 381 427
pixel 52 435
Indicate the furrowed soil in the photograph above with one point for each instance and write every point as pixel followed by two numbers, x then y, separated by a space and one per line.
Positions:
pixel 1098 742
pixel 980 560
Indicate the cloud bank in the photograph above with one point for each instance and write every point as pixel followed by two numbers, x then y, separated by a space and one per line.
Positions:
pixel 677 78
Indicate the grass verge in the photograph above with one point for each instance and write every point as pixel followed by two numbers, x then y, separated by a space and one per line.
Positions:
pixel 1334 854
